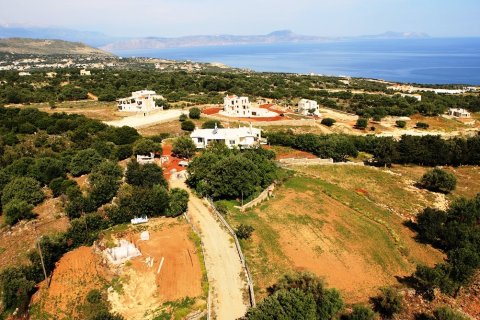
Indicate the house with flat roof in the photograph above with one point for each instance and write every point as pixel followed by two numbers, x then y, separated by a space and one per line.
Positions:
pixel 459 113
pixel 240 107
pixel 308 107
pixel 140 101
pixel 243 137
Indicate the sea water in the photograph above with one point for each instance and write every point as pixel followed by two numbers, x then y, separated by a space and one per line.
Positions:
pixel 432 60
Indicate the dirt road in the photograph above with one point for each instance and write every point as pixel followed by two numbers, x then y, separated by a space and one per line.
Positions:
pixel 222 262
pixel 140 120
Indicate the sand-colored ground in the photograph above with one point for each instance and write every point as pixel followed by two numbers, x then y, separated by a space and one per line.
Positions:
pixel 15 242
pixel 146 288
pixel 339 234
pixel 77 272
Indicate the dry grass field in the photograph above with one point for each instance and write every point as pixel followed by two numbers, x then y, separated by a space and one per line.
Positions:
pixel 331 223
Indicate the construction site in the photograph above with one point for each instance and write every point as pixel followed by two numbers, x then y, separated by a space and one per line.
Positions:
pixel 145 270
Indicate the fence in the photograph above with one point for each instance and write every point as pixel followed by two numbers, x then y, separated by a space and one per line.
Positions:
pixel 264 195
pixel 209 297
pixel 239 251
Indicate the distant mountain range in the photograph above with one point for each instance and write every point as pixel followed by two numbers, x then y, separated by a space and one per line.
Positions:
pixel 114 44
pixel 48 47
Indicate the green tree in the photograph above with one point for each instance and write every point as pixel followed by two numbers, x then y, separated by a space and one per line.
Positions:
pixel 146 146
pixel 15 289
pixel 184 147
pixel 360 312
pixel 17 210
pixel 146 175
pixel 182 117
pixel 439 180
pixel 361 123
pixel 401 123
pixel 210 124
pixel 47 169
pixel 178 202
pixel 23 188
pixel 244 231
pixel 188 125
pixel 84 161
pixel 388 303
pixel 285 305
pixel 328 122
pixel 422 125
pixel 194 113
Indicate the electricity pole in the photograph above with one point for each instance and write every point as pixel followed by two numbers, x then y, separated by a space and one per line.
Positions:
pixel 41 258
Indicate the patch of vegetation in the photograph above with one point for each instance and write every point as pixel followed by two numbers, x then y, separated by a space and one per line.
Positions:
pixel 439 180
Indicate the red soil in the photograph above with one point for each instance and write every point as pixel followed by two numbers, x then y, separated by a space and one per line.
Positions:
pixel 210 111
pixel 172 163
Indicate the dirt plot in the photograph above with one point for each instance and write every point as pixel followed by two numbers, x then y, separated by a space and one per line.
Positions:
pixel 354 244
pixel 77 272
pixel 146 288
pixel 104 111
pixel 15 242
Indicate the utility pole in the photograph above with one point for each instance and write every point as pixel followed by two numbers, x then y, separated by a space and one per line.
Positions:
pixel 41 258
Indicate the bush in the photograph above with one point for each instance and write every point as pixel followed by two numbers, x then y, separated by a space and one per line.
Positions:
pixel 182 117
pixel 210 124
pixel 388 303
pixel 146 175
pixel 188 125
pixel 244 231
pixel 84 161
pixel 184 147
pixel 194 113
pixel 422 125
pixel 178 202
pixel 447 313
pixel 439 180
pixel 361 123
pixel 146 146
pixel 328 122
pixel 47 169
pixel 24 188
pixel 401 123
pixel 15 288
pixel 360 312
pixel 221 207
pixel 17 210
pixel 94 296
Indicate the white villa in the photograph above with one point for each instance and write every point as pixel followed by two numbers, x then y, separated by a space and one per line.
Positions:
pixel 240 107
pixel 84 72
pixel 243 137
pixel 459 113
pixel 143 101
pixel 305 107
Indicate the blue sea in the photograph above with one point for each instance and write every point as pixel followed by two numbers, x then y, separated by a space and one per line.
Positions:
pixel 431 61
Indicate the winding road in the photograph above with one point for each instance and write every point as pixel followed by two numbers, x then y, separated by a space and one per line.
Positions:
pixel 222 262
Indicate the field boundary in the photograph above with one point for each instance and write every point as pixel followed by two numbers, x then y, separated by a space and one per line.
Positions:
pixel 248 275
pixel 209 297
pixel 263 196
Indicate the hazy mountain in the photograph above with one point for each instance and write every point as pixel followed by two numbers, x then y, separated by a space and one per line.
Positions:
pixel 95 39
pixel 396 35
pixel 48 47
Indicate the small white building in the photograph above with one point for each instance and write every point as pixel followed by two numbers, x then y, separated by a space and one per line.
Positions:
pixel 51 74
pixel 459 113
pixel 84 72
pixel 306 107
pixel 147 158
pixel 243 137
pixel 140 101
pixel 237 106
pixel 24 73
pixel 240 107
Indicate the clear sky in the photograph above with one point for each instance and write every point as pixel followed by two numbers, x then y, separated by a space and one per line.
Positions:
pixel 193 17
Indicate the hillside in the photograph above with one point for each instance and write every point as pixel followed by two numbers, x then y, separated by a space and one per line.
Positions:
pixel 47 47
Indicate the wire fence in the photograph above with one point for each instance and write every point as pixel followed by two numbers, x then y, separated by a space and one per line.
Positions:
pixel 248 275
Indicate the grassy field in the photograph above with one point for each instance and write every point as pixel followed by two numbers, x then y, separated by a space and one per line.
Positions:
pixel 329 228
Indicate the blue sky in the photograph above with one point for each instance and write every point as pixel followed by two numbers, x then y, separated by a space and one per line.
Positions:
pixel 187 17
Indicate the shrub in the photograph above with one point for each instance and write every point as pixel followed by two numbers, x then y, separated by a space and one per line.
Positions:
pixel 401 123
pixel 17 210
pixel 361 123
pixel 178 202
pixel 244 231
pixel 447 313
pixel 184 147
pixel 146 146
pixel 388 303
pixel 328 122
pixel 422 125
pixel 439 180
pixel 221 207
pixel 47 169
pixel 210 124
pixel 15 288
pixel 360 312
pixel 182 118
pixel 188 125
pixel 23 188
pixel 146 175
pixel 84 161
pixel 94 296
pixel 194 113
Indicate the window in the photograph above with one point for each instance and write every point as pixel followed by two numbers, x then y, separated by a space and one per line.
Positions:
pixel 232 141
pixel 200 140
